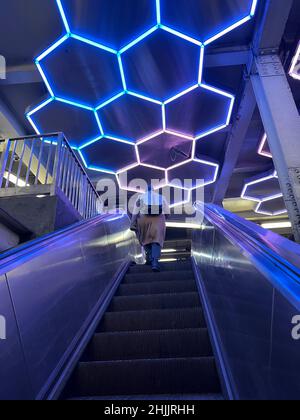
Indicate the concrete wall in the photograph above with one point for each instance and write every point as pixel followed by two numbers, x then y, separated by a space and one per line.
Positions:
pixel 40 215
pixel 8 239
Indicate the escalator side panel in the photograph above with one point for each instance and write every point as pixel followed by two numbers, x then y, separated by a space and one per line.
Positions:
pixel 55 292
pixel 13 376
pixel 252 319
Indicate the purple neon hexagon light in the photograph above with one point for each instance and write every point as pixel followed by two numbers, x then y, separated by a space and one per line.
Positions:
pixel 200 111
pixel 261 186
pixel 164 149
pixel 141 175
pixel 264 149
pixel 197 173
pixel 272 206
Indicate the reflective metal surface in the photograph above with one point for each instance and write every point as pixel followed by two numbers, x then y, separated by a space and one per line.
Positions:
pixel 251 314
pixel 55 284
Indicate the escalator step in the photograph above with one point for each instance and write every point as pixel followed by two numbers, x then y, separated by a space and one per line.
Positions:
pixel 162 276
pixel 150 345
pixel 152 320
pixel 180 266
pixel 157 287
pixel 159 301
pixel 156 376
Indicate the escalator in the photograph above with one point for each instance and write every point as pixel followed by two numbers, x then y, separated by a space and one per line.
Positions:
pixel 152 342
pixel 83 322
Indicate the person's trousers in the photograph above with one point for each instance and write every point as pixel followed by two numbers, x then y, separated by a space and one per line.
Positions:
pixel 153 253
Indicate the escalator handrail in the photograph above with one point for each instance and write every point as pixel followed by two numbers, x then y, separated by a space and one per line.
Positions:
pixel 270 258
pixel 27 251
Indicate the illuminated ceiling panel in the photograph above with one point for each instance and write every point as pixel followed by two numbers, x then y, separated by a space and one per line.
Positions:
pixel 273 206
pixel 65 69
pixel 79 124
pixel 216 19
pixel 114 155
pixel 130 117
pixel 165 149
pixel 115 23
pixel 125 70
pixel 162 65
pixel 200 112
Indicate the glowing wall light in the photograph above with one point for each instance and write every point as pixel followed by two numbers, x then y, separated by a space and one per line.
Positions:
pixel 262 147
pixel 259 209
pixel 256 182
pixel 295 66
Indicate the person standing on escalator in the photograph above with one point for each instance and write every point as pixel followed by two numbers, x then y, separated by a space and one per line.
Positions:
pixel 149 223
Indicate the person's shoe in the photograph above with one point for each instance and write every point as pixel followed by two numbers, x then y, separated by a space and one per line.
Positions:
pixel 155 267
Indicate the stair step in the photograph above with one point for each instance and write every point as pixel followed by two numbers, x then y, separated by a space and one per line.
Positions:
pixel 165 397
pixel 150 345
pixel 152 320
pixel 158 301
pixel 157 287
pixel 148 277
pixel 179 266
pixel 157 376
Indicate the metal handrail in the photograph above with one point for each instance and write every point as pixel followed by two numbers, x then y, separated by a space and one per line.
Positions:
pixel 46 164
pixel 274 256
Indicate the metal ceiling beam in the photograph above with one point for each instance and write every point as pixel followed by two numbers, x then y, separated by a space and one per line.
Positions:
pixel 235 142
pixel 21 75
pixel 237 56
pixel 272 26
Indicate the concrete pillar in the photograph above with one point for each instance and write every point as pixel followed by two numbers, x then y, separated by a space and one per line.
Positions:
pixel 282 124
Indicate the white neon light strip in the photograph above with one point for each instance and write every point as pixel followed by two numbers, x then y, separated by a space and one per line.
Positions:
pixel 150 137
pixel 227 30
pixel 294 63
pixel 99 123
pixel 255 182
pixel 42 73
pixel 178 225
pixel 109 101
pixel 253 8
pixel 168 251
pixel 63 15
pixel 39 107
pixel 201 65
pixel 181 35
pixel 262 145
pixel 94 44
pixel 139 39
pixel 164 118
pixel 89 143
pixel 76 104
pixel 218 91
pixel 181 94
pixel 145 98
pixel 212 131
pixel 277 225
pixel 158 12
pixel 167 260
pixel 122 72
pixel 52 48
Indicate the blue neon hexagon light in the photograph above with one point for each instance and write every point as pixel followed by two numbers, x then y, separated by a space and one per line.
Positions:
pixel 125 71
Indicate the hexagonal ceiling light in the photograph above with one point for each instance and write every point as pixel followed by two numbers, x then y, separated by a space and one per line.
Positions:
pixel 122 50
